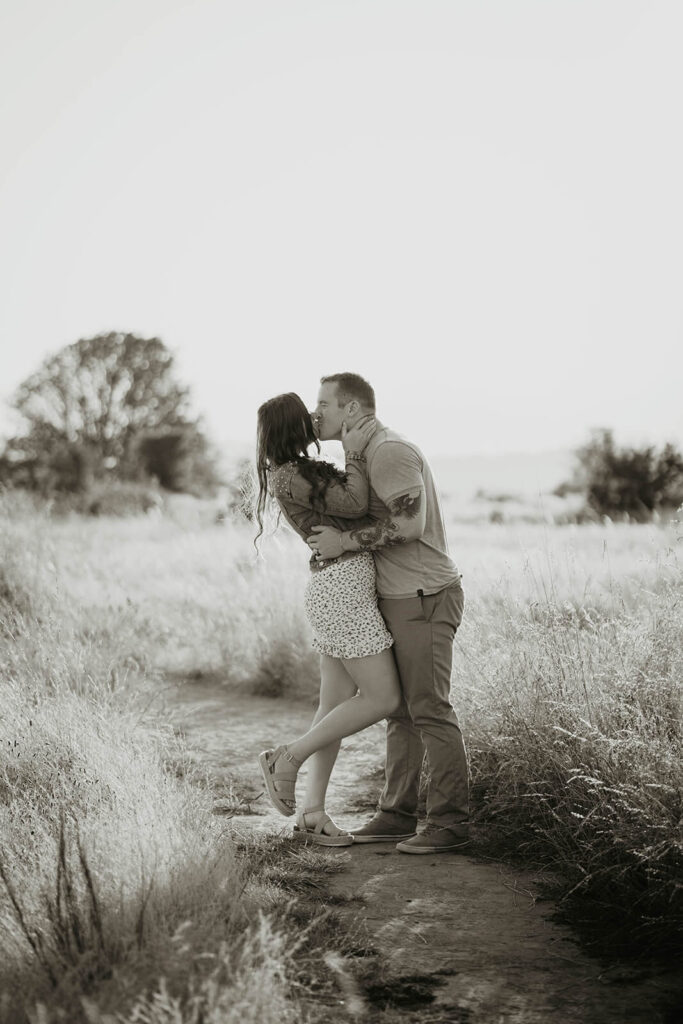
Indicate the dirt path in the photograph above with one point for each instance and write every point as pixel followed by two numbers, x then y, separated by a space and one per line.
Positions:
pixel 469 937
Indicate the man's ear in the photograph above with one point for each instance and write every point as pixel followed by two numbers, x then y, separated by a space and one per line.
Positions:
pixel 353 408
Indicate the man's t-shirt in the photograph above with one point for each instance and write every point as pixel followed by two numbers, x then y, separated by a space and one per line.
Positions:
pixel 396 466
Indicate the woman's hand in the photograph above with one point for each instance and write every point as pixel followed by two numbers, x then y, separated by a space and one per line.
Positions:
pixel 325 542
pixel 355 439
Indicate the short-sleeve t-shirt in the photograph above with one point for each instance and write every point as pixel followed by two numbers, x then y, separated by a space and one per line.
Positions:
pixel 395 467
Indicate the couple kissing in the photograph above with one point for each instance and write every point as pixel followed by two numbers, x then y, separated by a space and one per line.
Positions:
pixel 384 601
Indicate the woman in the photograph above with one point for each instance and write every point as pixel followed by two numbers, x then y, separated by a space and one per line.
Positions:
pixel 358 679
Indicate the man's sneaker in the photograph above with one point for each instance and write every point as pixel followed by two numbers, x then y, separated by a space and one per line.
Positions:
pixel 434 839
pixel 382 829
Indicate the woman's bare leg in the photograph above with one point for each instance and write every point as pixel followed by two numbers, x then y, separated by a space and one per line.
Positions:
pixel 379 695
pixel 336 686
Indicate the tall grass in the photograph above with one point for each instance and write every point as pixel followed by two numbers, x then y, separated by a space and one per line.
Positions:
pixel 120 891
pixel 569 674
pixel 567 679
pixel 179 595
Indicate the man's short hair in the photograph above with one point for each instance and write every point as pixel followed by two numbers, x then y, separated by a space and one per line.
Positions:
pixel 350 386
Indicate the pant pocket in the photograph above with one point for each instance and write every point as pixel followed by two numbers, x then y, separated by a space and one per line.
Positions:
pixel 428 603
pixel 448 607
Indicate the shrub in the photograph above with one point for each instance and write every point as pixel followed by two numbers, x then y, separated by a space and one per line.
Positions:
pixel 180 460
pixel 628 481
pixel 110 498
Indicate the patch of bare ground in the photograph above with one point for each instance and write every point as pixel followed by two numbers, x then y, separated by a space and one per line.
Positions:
pixel 447 939
pixel 465 940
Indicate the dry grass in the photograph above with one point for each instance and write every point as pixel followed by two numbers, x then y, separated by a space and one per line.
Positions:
pixel 567 675
pixel 177 594
pixel 568 671
pixel 122 896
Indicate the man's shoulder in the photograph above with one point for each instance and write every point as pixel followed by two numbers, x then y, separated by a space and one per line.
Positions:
pixel 388 443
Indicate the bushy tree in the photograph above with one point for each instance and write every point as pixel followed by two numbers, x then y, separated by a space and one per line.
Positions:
pixel 180 460
pixel 90 408
pixel 628 481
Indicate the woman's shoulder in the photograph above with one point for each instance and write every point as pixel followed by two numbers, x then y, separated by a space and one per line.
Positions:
pixel 306 468
pixel 281 470
pixel 296 479
pixel 280 478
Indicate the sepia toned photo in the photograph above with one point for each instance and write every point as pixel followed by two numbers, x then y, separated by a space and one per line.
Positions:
pixel 341 511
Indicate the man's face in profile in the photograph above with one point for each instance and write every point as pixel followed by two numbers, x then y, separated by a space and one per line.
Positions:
pixel 328 415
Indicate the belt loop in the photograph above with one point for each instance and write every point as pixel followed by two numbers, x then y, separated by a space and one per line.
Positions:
pixel 420 593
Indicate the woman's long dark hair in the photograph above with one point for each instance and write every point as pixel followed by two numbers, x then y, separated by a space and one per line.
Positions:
pixel 284 433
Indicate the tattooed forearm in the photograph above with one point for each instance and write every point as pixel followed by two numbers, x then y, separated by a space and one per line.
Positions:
pixel 381 534
pixel 404 523
pixel 407 505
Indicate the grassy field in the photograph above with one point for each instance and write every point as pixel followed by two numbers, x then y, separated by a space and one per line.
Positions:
pixel 119 885
pixel 569 672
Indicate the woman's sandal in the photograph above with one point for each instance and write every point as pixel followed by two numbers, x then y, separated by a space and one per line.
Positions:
pixel 280 782
pixel 316 834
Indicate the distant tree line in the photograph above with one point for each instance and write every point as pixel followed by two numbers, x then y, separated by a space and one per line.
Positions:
pixel 107 408
pixel 621 481
pixel 110 409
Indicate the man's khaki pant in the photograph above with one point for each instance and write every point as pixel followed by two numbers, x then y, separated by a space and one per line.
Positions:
pixel 423 629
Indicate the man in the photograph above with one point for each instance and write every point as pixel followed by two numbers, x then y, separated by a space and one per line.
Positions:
pixel 422 602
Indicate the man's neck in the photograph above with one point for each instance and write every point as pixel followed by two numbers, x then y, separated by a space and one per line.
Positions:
pixel 378 426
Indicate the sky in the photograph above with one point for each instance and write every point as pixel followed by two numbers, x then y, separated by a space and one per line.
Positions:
pixel 476 204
